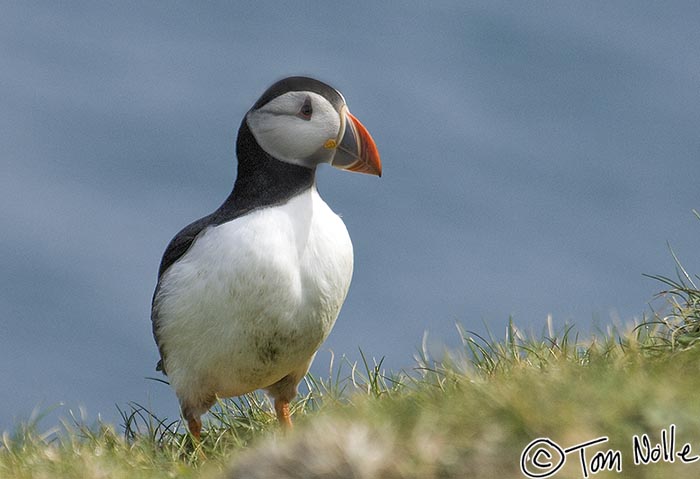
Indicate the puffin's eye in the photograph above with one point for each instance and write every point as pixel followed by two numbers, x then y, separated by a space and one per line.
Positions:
pixel 306 110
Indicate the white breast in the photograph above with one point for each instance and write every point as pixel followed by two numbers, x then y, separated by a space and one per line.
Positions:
pixel 253 299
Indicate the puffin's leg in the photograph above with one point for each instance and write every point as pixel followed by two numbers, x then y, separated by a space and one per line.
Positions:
pixel 193 415
pixel 282 410
pixel 283 391
pixel 194 422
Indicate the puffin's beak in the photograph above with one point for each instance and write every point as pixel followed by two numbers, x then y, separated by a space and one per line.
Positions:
pixel 357 150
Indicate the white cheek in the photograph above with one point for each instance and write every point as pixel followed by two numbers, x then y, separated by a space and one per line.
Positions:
pixel 287 137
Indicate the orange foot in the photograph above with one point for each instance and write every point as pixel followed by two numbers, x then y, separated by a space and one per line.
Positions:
pixel 194 424
pixel 283 415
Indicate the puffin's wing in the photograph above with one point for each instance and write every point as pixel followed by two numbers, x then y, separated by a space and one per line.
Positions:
pixel 177 247
pixel 182 241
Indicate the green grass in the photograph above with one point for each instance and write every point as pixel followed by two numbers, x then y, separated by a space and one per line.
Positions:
pixel 468 414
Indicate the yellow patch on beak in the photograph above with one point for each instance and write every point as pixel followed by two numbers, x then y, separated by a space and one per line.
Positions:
pixel 330 144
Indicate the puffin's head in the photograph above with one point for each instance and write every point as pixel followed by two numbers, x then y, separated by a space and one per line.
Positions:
pixel 303 121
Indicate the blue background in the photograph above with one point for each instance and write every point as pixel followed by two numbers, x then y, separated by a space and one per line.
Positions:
pixel 538 156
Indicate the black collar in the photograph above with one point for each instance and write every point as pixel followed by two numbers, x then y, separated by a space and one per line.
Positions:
pixel 262 180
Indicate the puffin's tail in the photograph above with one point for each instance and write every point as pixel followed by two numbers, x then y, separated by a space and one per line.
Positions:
pixel 159 367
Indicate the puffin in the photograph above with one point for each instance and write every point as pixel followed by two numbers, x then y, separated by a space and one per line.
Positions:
pixel 246 295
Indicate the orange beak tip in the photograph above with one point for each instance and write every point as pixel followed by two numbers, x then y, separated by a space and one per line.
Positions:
pixel 369 155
